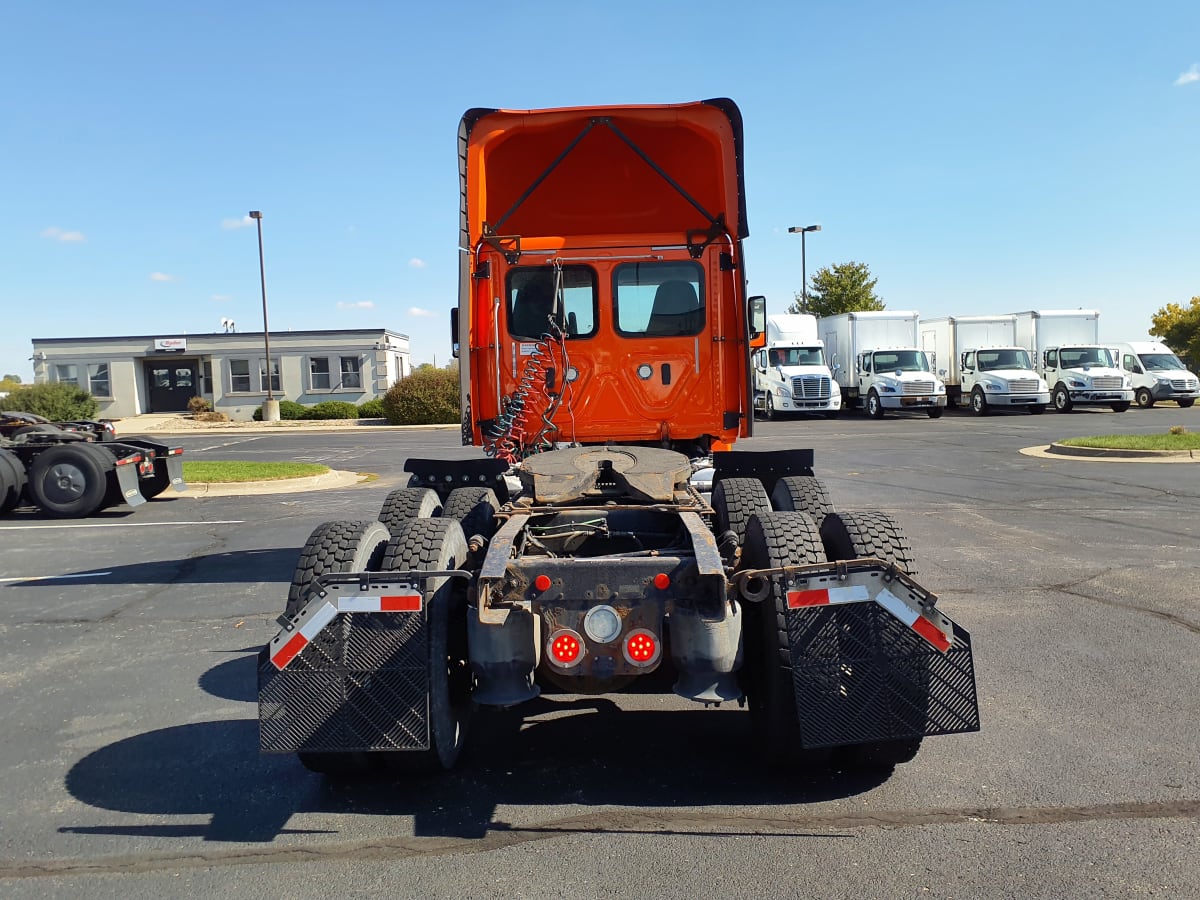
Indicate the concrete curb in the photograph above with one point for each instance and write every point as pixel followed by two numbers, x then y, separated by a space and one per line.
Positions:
pixel 331 479
pixel 271 428
pixel 1099 454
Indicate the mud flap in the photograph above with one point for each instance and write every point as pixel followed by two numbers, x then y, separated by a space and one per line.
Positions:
pixel 127 484
pixel 175 472
pixel 341 677
pixel 862 675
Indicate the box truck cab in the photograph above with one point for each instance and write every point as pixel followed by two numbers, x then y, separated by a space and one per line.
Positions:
pixel 1156 374
pixel 1065 346
pixel 790 372
pixel 980 361
pixel 883 369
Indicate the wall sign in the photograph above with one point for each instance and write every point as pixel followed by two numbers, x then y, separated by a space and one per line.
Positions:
pixel 170 343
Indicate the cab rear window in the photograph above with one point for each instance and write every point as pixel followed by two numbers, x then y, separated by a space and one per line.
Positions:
pixel 659 299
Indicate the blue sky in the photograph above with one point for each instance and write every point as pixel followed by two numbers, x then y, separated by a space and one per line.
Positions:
pixel 979 158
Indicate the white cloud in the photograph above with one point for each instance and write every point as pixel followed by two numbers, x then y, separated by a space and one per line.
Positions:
pixel 416 263
pixel 162 276
pixel 1190 76
pixel 67 237
pixel 231 224
pixel 422 313
pixel 220 298
pixel 361 304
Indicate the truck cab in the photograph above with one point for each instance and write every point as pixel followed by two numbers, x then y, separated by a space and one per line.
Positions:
pixel 899 378
pixel 1156 374
pixel 791 373
pixel 1002 377
pixel 1084 375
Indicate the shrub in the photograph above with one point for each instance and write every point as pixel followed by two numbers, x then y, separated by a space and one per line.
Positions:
pixel 211 417
pixel 1177 429
pixel 333 409
pixel 289 410
pixel 58 401
pixel 426 397
pixel 372 409
pixel 199 405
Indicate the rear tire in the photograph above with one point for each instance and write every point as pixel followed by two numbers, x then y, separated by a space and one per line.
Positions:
pixel 854 536
pixel 12 481
pixel 335 548
pixel 475 508
pixel 776 539
pixel 438 545
pixel 69 481
pixel 407 503
pixel 801 493
pixel 735 500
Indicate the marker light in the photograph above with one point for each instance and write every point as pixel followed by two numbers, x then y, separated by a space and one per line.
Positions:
pixel 602 624
pixel 662 581
pixel 542 583
pixel 641 648
pixel 566 647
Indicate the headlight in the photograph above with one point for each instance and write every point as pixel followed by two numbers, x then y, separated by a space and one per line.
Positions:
pixel 784 392
pixel 888 389
pixel 991 386
pixel 1164 380
pixel 1076 383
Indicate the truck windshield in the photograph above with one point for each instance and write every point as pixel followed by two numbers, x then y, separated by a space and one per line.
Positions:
pixel 1003 359
pixel 901 361
pixel 796 356
pixel 1160 362
pixel 1084 356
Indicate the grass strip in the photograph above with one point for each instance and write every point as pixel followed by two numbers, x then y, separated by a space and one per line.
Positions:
pixel 217 471
pixel 1188 441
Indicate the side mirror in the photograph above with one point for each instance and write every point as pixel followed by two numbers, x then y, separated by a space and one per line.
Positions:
pixel 756 317
pixel 454 332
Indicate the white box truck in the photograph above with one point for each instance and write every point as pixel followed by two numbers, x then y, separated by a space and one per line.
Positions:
pixel 878 364
pixel 1156 373
pixel 978 358
pixel 790 372
pixel 1065 345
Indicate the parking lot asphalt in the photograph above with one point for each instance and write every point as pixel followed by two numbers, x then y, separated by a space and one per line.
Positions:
pixel 129 761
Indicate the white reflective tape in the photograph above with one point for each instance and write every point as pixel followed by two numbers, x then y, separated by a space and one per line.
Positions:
pixel 320 619
pixel 896 607
pixel 359 604
pixel 849 594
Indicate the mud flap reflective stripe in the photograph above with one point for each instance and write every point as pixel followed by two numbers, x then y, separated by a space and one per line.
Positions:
pixel 288 644
pixel 938 633
pixel 799 599
pixel 914 620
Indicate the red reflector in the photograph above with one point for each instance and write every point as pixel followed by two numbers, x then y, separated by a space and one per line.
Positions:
pixel 927 630
pixel 565 647
pixel 542 583
pixel 662 581
pixel 400 603
pixel 641 647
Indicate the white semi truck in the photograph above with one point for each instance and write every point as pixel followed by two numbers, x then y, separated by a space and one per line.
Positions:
pixel 791 373
pixel 878 363
pixel 979 359
pixel 1157 373
pixel 1065 345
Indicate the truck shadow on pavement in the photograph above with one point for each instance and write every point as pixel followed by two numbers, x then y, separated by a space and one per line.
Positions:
pixel 561 751
pixel 234 567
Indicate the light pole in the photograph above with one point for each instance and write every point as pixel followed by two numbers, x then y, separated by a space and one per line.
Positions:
pixel 801 230
pixel 270 411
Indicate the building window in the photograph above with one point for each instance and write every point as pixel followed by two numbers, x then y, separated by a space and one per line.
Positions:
pixel 98 381
pixel 351 372
pixel 262 374
pixel 239 376
pixel 318 373
pixel 66 373
pixel 206 382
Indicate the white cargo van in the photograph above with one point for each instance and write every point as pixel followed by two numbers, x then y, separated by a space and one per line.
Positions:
pixel 1065 347
pixel 790 372
pixel 978 359
pixel 877 362
pixel 1157 374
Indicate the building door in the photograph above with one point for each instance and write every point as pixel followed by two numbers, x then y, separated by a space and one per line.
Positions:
pixel 171 383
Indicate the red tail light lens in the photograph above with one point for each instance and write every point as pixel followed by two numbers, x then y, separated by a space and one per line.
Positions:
pixel 642 648
pixel 566 647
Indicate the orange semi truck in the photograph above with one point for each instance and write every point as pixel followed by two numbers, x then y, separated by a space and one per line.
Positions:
pixel 608 536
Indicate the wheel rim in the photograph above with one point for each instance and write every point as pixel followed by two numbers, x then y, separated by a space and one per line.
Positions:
pixel 770 407
pixel 1143 398
pixel 1060 399
pixel 64 482
pixel 977 402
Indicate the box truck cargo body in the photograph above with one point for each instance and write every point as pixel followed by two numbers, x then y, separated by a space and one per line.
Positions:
pixel 1065 346
pixel 979 361
pixel 1156 373
pixel 878 363
pixel 791 373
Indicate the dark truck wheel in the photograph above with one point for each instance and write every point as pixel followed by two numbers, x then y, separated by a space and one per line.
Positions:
pixel 735 500
pixel 874 405
pixel 1062 399
pixel 333 548
pixel 407 503
pixel 855 536
pixel 475 508
pixel 12 481
pixel 979 404
pixel 1186 402
pixel 1120 406
pixel 775 539
pixel 431 545
pixel 935 412
pixel 1144 398
pixel 69 481
pixel 801 493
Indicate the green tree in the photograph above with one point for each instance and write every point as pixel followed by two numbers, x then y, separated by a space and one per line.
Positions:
pixel 840 288
pixel 1179 328
pixel 57 401
pixel 428 396
pixel 10 382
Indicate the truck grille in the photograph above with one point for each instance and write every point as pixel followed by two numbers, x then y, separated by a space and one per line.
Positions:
pixel 1023 385
pixel 918 387
pixel 1106 384
pixel 1183 384
pixel 811 387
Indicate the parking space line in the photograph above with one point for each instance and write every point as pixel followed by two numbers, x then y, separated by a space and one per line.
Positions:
pixel 117 525
pixel 54 577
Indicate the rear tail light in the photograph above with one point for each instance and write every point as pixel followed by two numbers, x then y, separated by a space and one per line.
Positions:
pixel 566 648
pixel 642 648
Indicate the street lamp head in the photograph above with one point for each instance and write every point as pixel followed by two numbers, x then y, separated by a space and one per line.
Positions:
pixel 801 229
pixel 255 214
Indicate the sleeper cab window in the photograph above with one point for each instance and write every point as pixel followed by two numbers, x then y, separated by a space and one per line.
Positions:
pixel 538 300
pixel 659 299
